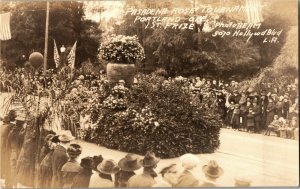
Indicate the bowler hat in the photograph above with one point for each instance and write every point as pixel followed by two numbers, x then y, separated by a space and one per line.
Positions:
pixel 87 162
pixel 108 167
pixel 66 136
pixel 149 160
pixel 74 150
pixel 212 169
pixel 129 163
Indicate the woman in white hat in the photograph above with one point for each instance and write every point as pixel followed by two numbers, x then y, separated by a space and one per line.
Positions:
pixel 103 178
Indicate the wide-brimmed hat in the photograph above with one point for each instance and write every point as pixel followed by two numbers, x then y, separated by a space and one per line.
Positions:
pixel 212 169
pixel 87 162
pixel 108 166
pixel 129 163
pixel 66 136
pixel 149 160
pixel 242 181
pixel 189 161
pixel 74 150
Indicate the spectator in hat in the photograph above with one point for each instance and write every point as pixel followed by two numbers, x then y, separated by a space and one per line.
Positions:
pixel 242 182
pixel 13 148
pixel 146 179
pixel 286 106
pixel 263 105
pixel 60 157
pixel 257 116
pixel 235 120
pixel 212 172
pixel 270 112
pixel 187 178
pixel 250 120
pixel 46 147
pixel 103 178
pixel 72 167
pixel 82 179
pixel 279 106
pixel 96 161
pixel 169 176
pixel 128 165
pixel 5 129
pixel 45 169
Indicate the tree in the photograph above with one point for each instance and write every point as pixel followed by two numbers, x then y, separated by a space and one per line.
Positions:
pixel 67 24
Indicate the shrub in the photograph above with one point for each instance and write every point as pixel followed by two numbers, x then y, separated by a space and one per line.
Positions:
pixel 156 115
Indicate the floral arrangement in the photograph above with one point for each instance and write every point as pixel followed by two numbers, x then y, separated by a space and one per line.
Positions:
pixel 122 49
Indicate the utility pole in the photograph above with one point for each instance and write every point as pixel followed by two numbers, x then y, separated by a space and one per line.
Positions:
pixel 46 39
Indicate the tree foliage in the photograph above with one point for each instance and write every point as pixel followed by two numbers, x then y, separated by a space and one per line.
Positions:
pixel 67 24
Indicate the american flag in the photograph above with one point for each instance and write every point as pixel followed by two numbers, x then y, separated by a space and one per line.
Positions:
pixel 254 9
pixel 5 33
pixel 56 55
pixel 71 56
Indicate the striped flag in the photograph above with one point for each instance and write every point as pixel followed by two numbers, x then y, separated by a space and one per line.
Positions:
pixel 5 33
pixel 254 9
pixel 71 56
pixel 56 55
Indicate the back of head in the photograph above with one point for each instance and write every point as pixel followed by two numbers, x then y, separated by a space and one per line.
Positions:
pixel 74 150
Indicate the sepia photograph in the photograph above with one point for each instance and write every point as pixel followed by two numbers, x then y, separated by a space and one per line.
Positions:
pixel 149 94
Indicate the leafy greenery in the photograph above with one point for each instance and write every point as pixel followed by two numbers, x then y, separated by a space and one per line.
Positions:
pixel 67 24
pixel 155 115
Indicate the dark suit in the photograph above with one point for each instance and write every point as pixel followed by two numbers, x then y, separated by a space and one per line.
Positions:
pixel 187 179
pixel 59 158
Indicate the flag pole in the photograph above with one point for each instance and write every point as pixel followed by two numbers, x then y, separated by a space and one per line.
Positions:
pixel 46 39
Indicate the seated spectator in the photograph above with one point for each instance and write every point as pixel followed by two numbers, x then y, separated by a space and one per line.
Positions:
pixel 169 175
pixel 212 172
pixel 103 178
pixel 186 178
pixel 146 179
pixel 82 179
pixel 282 129
pixel 72 167
pixel 273 126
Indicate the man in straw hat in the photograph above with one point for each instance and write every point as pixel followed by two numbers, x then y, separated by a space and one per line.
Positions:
pixel 186 178
pixel 103 179
pixel 60 157
pixel 128 165
pixel 212 172
pixel 146 179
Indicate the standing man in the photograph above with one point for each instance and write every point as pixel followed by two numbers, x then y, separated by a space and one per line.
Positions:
pixel 60 157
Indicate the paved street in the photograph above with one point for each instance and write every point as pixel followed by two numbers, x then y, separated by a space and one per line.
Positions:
pixel 264 159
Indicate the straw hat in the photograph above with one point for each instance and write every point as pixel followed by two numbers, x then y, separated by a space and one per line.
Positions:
pixel 66 136
pixel 129 163
pixel 108 167
pixel 242 182
pixel 149 160
pixel 189 161
pixel 212 169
